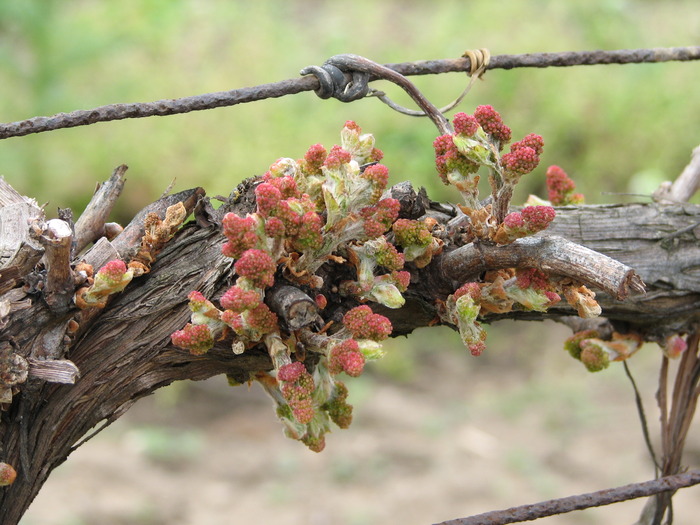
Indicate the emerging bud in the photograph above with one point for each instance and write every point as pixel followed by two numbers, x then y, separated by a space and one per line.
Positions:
pixel 241 234
pixel 346 357
pixel 491 122
pixel 197 338
pixel 7 474
pixel 110 279
pixel 594 355
pixel 561 188
pixel 256 266
pixel 238 299
pixel 465 124
pixel 365 324
pixel 674 346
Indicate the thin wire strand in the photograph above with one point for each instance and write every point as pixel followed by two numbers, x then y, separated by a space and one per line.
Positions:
pixel 310 83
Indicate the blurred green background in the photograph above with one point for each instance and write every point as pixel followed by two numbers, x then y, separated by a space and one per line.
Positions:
pixel 433 426
pixel 614 128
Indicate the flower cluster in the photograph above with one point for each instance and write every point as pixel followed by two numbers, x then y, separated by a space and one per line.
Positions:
pixel 561 188
pixel 477 141
pixel 365 324
pixel 297 389
pixel 596 353
pixel 523 157
pixel 503 291
pixel 197 338
pixel 419 246
pixel 326 206
pixel 309 402
pixel 346 357
pixel 491 122
pixel 528 221
pixel 385 288
pixel 110 279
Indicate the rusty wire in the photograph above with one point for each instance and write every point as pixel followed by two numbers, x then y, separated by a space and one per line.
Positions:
pixel 310 83
pixel 581 501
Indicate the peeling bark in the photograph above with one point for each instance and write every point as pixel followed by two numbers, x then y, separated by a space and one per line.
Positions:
pixel 123 351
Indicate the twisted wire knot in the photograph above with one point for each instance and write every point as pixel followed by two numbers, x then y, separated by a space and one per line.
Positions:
pixel 342 83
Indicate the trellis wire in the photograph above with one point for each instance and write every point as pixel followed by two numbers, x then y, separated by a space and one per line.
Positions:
pixel 309 83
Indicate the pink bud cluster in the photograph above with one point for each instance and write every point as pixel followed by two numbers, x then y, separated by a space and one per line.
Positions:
pixel 241 234
pixel 523 157
pixel 309 236
pixel 378 175
pixel 491 122
pixel 449 159
pixel 337 157
pixel 238 299
pixel 112 272
pixel 112 278
pixel 253 323
pixel 379 218
pixel 400 279
pixel 365 324
pixel 197 338
pixel 532 278
pixel 346 357
pixel 297 388
pixel 537 281
pixel 313 159
pixel 529 221
pixel 257 266
pixel 287 212
pixel 464 124
pixel 471 289
pixel 561 188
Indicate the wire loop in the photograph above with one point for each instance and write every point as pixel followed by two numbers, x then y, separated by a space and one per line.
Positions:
pixel 345 86
pixel 478 62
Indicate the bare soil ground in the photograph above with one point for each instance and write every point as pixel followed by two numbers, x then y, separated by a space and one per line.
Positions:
pixel 437 435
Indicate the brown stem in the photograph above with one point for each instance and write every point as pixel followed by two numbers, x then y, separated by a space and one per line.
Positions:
pixel 295 307
pixel 581 501
pixel 358 63
pixel 91 224
pixel 60 282
pixel 675 426
pixel 551 254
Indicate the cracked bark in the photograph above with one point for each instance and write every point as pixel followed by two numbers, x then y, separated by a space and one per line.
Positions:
pixel 123 352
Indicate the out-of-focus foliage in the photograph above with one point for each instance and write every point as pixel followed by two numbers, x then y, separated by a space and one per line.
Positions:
pixel 613 128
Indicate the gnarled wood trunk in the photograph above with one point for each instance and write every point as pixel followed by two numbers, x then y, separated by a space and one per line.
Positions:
pixel 123 352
